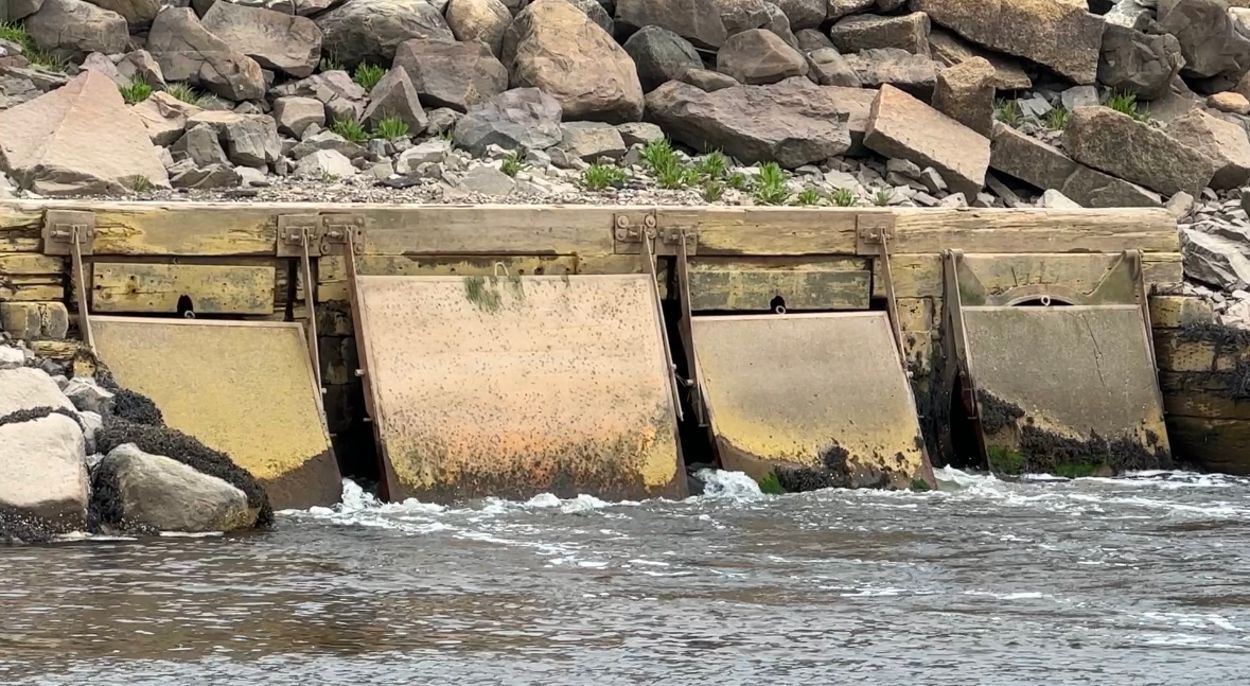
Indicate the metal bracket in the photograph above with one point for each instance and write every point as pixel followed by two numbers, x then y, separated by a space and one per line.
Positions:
pixel 339 230
pixel 630 228
pixel 872 230
pixel 292 229
pixel 60 227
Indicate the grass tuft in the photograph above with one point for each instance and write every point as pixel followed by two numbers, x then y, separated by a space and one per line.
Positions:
pixel 391 128
pixel 770 186
pixel 350 129
pixel 1009 113
pixel 15 33
pixel 135 92
pixel 843 197
pixel 713 190
pixel 666 165
pixel 808 197
pixel 738 181
pixel 714 165
pixel 185 93
pixel 1057 118
pixel 597 177
pixel 882 197
pixel 513 163
pixel 367 75
pixel 1125 102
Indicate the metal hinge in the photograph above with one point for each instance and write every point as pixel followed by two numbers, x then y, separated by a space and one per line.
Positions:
pixel 338 228
pixel 291 231
pixel 870 229
pixel 60 227
pixel 630 228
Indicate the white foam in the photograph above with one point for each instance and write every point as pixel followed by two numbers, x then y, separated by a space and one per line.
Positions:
pixel 728 485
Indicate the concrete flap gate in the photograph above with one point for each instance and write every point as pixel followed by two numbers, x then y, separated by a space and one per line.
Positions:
pixel 1068 386
pixel 247 389
pixel 514 386
pixel 818 400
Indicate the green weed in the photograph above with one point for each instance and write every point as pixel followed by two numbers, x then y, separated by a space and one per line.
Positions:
pixel 597 177
pixel 808 197
pixel 920 486
pixel 135 92
pixel 390 128
pixel 185 93
pixel 1057 118
pixel 1004 460
pixel 770 186
pixel 771 485
pixel 1125 102
pixel 350 129
pixel 738 181
pixel 843 197
pixel 367 75
pixel 713 190
pixel 15 33
pixel 713 165
pixel 666 165
pixel 882 197
pixel 1009 112
pixel 1075 470
pixel 142 184
pixel 513 162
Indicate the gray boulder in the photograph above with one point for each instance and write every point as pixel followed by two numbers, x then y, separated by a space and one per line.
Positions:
pixel 903 127
pixel 451 74
pixel 829 68
pixel 660 56
pixel 707 80
pixel 187 51
pixel 1209 42
pixel 185 174
pixel 1223 142
pixel 141 66
pixel 164 116
pixel 137 13
pixel 1044 166
pixel 250 139
pixel 698 21
pixel 342 97
pixel 88 396
pixel 811 39
pixel 148 492
pixel 520 119
pixel 1214 260
pixel 759 56
pixel 836 9
pixel 590 140
pixel 294 114
pixel 77 28
pixel 19 9
pixel 275 40
pixel 487 180
pixel 915 74
pixel 1140 63
pixel 742 15
pixel 396 96
pixel 965 93
pixel 908 32
pixel 25 389
pixel 1119 145
pixel 370 30
pixel 779 24
pixel 43 477
pixel 949 50
pixel 200 146
pixel 595 10
pixel 804 14
pixel 324 164
pixel 480 21
pixel 794 122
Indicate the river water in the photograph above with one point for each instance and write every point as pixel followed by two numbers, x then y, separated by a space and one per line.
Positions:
pixel 1135 580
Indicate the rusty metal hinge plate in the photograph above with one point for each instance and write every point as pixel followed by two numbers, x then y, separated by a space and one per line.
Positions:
pixel 59 227
pixel 336 228
pixel 870 229
pixel 291 230
pixel 630 228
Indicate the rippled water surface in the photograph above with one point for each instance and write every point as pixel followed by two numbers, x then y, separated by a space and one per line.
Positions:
pixel 1139 580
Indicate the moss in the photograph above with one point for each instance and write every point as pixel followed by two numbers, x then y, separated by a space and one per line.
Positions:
pixel 478 292
pixel 920 486
pixel 1076 470
pixel 771 485
pixel 1005 460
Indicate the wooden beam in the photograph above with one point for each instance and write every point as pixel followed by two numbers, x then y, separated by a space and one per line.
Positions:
pixel 27 264
pixel 1034 230
pixel 332 278
pixel 751 284
pixel 212 289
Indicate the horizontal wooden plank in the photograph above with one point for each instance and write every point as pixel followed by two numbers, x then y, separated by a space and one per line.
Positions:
pixel 925 230
pixel 765 230
pixel 1210 404
pixel 212 289
pixel 810 286
pixel 28 288
pixel 1078 273
pixel 1174 311
pixel 332 277
pixel 1175 354
pixel 27 264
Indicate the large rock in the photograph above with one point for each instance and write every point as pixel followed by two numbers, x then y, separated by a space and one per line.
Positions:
pixel 779 24
pixel 758 57
pixel 395 96
pixel 554 46
pixel 164 116
pixel 909 32
pixel 43 478
pixel 901 126
pixel 1209 41
pixel 1139 63
pixel 597 13
pixel 79 139
pixel 25 389
pixel 803 14
pixel 249 139
pixel 294 114
pixel 19 9
pixel 793 123
pixel 591 140
pixel 342 97
pixel 370 30
pixel 141 66
pixel 829 68
pixel 201 146
pixel 698 21
pixel 77 28
pixel 479 20
pixel 144 493
pixel 520 119
pixel 451 74
pixel 1223 142
pixel 660 56
pixel 915 74
pixel 187 51
pixel 965 93
pixel 1214 260
pixel 323 165
pixel 742 15
pixel 277 41
pixel 137 13
pixel 1045 166
pixel 1119 145
pixel 1060 34
pixel 949 50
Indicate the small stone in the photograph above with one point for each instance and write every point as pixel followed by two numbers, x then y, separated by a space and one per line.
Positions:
pixel 294 114
pixel 906 168
pixel 1180 204
pixel 325 163
pixel 88 396
pixel 932 180
pixel 759 56
pixel 1034 106
pixel 1054 200
pixel 590 141
pixel 434 150
pixel 1229 101
pixel 639 132
pixel 487 180
pixel 707 80
pixel 1079 96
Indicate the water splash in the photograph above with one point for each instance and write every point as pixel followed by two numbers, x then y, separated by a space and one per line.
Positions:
pixel 718 484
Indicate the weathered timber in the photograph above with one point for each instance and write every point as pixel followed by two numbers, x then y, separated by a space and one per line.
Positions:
pixel 27 288
pixel 332 279
pixel 30 264
pixel 751 284
pixel 1218 445
pixel 1174 311
pixel 921 275
pixel 212 289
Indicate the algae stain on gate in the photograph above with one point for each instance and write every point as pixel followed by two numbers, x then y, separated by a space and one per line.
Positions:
pixel 483 293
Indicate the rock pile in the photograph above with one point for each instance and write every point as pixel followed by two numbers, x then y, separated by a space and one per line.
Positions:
pixel 920 102
pixel 80 454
